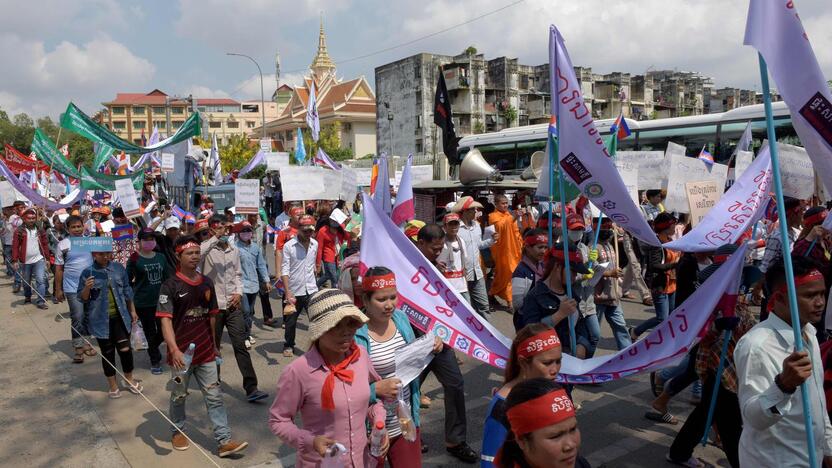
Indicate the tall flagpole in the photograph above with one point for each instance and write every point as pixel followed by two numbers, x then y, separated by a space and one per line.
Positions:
pixel 787 259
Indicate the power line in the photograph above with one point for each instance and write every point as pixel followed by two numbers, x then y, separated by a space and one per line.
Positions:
pixel 421 38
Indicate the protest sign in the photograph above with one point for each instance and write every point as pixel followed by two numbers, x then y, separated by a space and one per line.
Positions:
pixel 741 163
pixel 683 170
pixel 651 167
pixel 276 161
pixel 300 183
pixel 796 172
pixel 8 195
pixel 629 174
pixel 91 244
pixel 674 149
pixel 421 174
pixel 246 196
pixel 266 145
pixel 363 176
pixel 702 196
pixel 349 184
pixel 127 196
pixel 168 162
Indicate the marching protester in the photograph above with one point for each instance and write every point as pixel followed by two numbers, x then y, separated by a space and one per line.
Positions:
pixel 147 270
pixel 30 255
pixel 775 249
pixel 69 264
pixel 769 372
pixel 124 242
pixel 105 290
pixel 530 269
pixel 330 237
pixel 452 259
pixel 388 330
pixel 584 289
pixel 506 251
pixel 188 307
pixel 259 236
pixel 297 270
pixel 470 232
pixel 653 204
pixel 329 387
pixel 255 274
pixel 535 353
pixel 607 292
pixel 544 430
pixel 220 262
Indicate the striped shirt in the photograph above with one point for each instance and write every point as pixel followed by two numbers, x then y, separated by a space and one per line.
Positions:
pixel 383 357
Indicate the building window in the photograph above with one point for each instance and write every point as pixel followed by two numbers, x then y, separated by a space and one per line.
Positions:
pixel 418 121
pixel 138 109
pixel 177 123
pixel 177 110
pixel 215 124
pixel 139 124
pixel 118 110
pixel 159 124
pixel 158 110
pixel 250 124
pixel 119 125
pixel 231 124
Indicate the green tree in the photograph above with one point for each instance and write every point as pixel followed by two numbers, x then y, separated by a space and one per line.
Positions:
pixel 470 50
pixel 237 152
pixel 510 114
pixel 330 140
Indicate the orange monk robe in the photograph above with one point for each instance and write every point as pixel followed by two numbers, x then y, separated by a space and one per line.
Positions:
pixel 506 253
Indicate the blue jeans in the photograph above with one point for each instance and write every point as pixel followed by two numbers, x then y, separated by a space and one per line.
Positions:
pixel 7 254
pixel 592 331
pixel 330 272
pixel 479 297
pixel 206 378
pixel 248 301
pixel 78 319
pixel 34 272
pixel 615 317
pixel 664 304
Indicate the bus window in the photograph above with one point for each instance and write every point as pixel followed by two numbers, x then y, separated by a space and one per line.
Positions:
pixel 503 157
pixel 693 138
pixel 525 149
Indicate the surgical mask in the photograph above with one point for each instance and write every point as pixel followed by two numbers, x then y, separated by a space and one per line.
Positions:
pixel 245 236
pixel 223 239
pixel 704 264
pixel 148 245
pixel 576 236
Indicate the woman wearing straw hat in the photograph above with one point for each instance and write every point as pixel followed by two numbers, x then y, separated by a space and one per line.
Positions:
pixel 326 387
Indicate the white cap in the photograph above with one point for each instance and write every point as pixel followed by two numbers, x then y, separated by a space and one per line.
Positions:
pixel 172 222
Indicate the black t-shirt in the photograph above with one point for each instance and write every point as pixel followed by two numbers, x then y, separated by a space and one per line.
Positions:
pixel 189 304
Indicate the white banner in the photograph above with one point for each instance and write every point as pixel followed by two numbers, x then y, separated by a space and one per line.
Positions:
pixel 317 183
pixel 8 194
pixel 683 170
pixel 127 197
pixel 276 161
pixel 796 172
pixel 168 162
pixel 246 196
pixel 651 166
pixel 349 184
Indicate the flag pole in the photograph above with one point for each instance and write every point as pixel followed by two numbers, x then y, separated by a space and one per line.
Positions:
pixel 726 337
pixel 613 139
pixel 787 260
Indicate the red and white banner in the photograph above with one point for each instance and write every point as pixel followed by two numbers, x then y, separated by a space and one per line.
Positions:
pixel 18 162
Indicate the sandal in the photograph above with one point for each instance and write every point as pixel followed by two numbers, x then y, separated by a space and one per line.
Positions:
pixel 89 351
pixel 114 394
pixel 79 356
pixel 665 418
pixel 648 301
pixel 135 388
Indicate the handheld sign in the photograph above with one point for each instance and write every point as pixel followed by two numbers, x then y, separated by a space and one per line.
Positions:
pixel 247 196
pixel 702 196
pixel 127 197
pixel 91 244
pixel 168 162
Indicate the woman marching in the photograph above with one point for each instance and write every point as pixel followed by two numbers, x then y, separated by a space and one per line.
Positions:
pixel 386 332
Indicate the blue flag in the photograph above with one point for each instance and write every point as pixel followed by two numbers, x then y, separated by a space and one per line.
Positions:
pixel 300 150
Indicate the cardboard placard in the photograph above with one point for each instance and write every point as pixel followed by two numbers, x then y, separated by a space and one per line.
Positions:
pixel 276 161
pixel 684 170
pixel 168 162
pixel 741 162
pixel 796 171
pixel 674 149
pixel 349 184
pixel 421 174
pixel 629 175
pixel 317 183
pixel 127 197
pixel 702 196
pixel 8 194
pixel 247 196
pixel 650 165
pixel 363 176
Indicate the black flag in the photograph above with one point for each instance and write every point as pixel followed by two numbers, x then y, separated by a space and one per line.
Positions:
pixel 442 117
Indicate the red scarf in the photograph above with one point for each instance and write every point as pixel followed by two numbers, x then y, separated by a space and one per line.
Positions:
pixel 338 370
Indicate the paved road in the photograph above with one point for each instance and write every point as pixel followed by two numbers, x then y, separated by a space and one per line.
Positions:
pixel 57 413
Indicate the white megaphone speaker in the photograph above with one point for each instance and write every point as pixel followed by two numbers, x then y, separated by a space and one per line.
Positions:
pixel 475 168
pixel 535 166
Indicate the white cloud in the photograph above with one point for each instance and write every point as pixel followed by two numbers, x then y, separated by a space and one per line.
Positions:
pixel 200 91
pixel 42 81
pixel 43 18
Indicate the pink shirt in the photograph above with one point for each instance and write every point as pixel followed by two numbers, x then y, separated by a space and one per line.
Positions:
pixel 299 391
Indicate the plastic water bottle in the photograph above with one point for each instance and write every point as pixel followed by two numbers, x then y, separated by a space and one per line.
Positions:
pixel 187 357
pixel 333 457
pixel 376 438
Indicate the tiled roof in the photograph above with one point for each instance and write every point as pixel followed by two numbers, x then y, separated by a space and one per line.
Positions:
pixel 216 101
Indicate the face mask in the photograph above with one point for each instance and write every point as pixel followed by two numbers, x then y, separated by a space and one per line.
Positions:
pixel 704 264
pixel 148 245
pixel 245 236
pixel 576 236
pixel 223 239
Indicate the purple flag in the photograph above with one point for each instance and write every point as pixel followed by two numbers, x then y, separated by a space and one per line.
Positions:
pixel 582 153
pixel 256 160
pixel 35 197
pixel 382 194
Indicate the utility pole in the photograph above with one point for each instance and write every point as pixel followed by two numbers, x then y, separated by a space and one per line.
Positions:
pixel 262 94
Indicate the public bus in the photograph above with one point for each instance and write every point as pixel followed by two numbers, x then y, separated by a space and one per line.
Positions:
pixel 510 150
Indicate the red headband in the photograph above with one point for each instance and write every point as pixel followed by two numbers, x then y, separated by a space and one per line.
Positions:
pixel 184 247
pixel 534 345
pixel 813 275
pixel 374 283
pixel 664 225
pixel 540 412
pixel 535 240
pixel 721 258
pixel 814 219
pixel 574 257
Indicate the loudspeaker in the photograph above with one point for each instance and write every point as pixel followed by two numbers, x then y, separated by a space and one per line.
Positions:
pixel 475 168
pixel 535 167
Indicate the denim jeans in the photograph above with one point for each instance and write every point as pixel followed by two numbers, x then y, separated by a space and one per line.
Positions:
pixel 615 317
pixel 34 272
pixel 248 301
pixel 328 272
pixel 479 297
pixel 664 304
pixel 589 333
pixel 206 378
pixel 78 319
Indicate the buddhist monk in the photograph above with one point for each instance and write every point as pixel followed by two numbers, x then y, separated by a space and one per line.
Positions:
pixel 507 251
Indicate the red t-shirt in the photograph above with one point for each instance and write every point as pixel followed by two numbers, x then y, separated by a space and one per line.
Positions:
pixel 284 236
pixel 328 244
pixel 190 304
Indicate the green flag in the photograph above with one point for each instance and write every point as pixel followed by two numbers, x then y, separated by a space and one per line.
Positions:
pixel 50 155
pixel 572 190
pixel 75 120
pixel 91 180
pixel 102 155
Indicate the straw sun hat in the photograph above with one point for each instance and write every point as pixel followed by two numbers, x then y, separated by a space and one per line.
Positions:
pixel 327 308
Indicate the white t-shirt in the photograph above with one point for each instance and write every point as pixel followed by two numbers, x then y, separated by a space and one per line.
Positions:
pixel 453 256
pixel 32 247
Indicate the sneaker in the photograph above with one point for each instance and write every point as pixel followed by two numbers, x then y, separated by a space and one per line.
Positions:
pixel 463 453
pixel 156 369
pixel 179 441
pixel 248 344
pixel 288 352
pixel 252 340
pixel 256 395
pixel 231 447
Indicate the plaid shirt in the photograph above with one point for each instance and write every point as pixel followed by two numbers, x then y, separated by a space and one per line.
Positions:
pixel 774 247
pixel 710 349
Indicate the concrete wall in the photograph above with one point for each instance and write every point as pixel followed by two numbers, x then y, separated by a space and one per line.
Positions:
pixel 363 138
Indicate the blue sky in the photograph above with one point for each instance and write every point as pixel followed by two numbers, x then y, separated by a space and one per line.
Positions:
pixel 55 51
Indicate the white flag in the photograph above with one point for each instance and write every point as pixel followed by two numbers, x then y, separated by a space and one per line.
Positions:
pixel 312 114
pixel 214 161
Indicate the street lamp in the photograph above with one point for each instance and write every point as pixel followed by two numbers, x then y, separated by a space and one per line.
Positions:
pixel 262 95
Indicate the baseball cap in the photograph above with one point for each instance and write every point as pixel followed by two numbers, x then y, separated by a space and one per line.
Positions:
pixel 172 223
pixel 411 229
pixel 451 218
pixel 147 233
pixel 575 221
